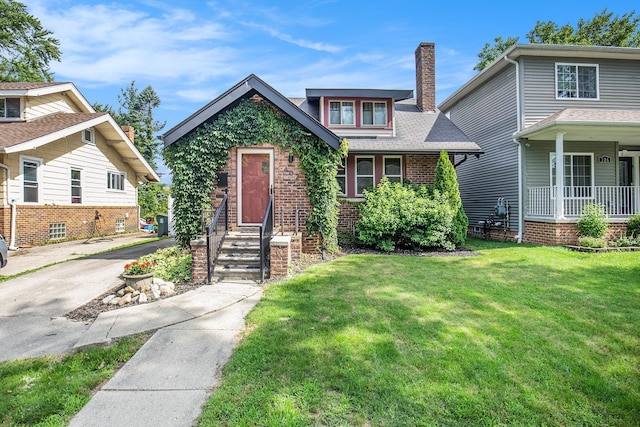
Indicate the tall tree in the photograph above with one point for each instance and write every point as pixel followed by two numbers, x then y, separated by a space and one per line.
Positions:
pixel 603 29
pixel 26 49
pixel 136 110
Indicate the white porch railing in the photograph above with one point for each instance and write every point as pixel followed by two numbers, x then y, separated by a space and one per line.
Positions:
pixel 617 200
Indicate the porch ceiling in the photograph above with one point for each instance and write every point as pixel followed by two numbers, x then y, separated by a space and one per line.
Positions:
pixel 621 126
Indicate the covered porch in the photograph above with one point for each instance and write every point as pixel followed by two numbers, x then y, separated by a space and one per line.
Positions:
pixel 600 152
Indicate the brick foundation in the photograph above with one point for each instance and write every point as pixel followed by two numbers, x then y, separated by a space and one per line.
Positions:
pixel 32 222
pixel 563 233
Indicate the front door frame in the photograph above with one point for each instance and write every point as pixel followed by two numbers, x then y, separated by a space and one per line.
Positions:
pixel 242 151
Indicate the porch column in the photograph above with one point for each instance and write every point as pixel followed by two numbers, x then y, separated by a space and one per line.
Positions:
pixel 559 175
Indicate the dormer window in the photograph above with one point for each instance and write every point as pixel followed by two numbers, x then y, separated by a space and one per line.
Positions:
pixel 341 113
pixel 88 136
pixel 10 108
pixel 374 113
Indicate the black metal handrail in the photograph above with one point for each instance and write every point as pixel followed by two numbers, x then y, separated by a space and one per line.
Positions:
pixel 216 232
pixel 266 231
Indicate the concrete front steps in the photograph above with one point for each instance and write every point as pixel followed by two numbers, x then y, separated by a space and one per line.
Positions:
pixel 239 257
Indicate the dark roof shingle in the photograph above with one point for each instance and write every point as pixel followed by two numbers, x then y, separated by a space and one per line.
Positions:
pixel 14 133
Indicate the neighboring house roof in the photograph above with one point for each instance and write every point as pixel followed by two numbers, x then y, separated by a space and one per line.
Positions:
pixel 245 89
pixel 587 124
pixel 538 49
pixel 21 136
pixel 42 88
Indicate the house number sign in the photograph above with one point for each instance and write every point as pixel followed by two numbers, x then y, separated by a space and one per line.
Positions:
pixel 605 159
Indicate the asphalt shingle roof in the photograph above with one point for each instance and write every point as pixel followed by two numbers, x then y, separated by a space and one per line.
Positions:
pixel 14 133
pixel 26 85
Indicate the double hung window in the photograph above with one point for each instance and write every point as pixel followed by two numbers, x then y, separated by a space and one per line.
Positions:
pixel 393 168
pixel 364 174
pixel 76 186
pixel 374 113
pixel 341 113
pixel 30 181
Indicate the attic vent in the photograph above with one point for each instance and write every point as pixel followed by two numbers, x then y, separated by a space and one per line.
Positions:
pixel 88 136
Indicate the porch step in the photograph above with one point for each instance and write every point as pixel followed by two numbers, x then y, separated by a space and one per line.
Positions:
pixel 239 257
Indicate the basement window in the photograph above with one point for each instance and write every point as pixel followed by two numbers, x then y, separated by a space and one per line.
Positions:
pixel 120 227
pixel 57 230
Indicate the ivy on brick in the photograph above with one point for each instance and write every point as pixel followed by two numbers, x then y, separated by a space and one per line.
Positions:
pixel 194 160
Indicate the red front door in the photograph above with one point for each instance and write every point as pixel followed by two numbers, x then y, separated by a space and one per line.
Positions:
pixel 255 186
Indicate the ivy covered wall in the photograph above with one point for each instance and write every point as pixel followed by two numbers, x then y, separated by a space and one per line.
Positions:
pixel 194 160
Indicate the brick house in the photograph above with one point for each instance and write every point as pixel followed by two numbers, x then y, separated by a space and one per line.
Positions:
pixel 68 172
pixel 389 134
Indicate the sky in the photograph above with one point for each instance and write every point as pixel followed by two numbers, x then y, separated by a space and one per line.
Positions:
pixel 190 52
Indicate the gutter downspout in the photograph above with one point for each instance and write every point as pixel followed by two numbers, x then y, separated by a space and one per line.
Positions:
pixel 12 242
pixel 515 140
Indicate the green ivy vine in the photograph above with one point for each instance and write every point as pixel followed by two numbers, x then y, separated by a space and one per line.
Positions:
pixel 194 159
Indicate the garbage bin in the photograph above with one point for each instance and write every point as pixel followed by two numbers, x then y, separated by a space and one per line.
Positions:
pixel 163 225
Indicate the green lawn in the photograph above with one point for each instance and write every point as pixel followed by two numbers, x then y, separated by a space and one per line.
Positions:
pixel 49 391
pixel 519 335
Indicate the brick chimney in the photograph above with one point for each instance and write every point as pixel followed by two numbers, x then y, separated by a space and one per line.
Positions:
pixel 426 76
pixel 129 131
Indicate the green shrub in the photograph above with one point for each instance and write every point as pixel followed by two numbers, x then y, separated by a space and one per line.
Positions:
pixel 592 242
pixel 401 215
pixel 633 226
pixel 446 181
pixel 172 264
pixel 625 242
pixel 593 221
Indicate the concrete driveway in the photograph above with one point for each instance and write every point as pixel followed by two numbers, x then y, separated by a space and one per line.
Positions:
pixel 32 306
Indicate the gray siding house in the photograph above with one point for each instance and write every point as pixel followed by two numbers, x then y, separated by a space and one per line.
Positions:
pixel 538 103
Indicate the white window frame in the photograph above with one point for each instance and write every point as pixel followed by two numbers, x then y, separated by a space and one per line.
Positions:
pixel 342 123
pixel 592 178
pixel 38 163
pixel 122 175
pixel 373 173
pixel 577 65
pixel 77 185
pixel 384 168
pixel 342 176
pixel 4 114
pixel 88 136
pixel 373 112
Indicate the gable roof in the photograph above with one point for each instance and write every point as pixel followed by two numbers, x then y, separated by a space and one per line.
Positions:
pixel 538 49
pixel 46 88
pixel 20 136
pixel 245 89
pixel 417 132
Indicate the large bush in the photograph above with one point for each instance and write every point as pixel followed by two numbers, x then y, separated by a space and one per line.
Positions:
pixel 593 221
pixel 407 216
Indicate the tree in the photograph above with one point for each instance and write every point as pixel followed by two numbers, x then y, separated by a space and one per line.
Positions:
pixel 490 53
pixel 25 47
pixel 446 182
pixel 153 199
pixel 603 30
pixel 136 110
